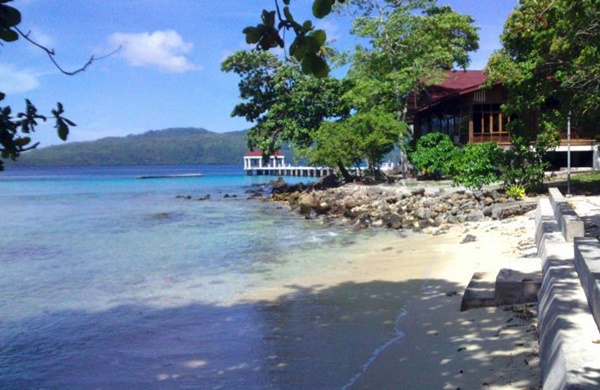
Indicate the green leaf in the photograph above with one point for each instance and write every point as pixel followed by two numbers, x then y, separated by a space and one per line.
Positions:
pixel 312 44
pixel 8 35
pixel 322 8
pixel 62 129
pixel 268 18
pixel 22 141
pixel 320 36
pixel 307 26
pixel 298 48
pixel 11 16
pixel 315 65
pixel 252 35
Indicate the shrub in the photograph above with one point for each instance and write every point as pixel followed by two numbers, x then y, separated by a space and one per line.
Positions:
pixel 523 164
pixel 477 165
pixel 433 154
pixel 515 191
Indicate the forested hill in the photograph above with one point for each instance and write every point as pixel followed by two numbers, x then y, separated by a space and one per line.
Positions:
pixel 176 146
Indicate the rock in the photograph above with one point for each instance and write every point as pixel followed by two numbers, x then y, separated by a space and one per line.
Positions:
pixel 205 197
pixel 418 192
pixel 432 191
pixel 475 216
pixel 438 221
pixel 452 219
pixel 423 223
pixel 307 203
pixel 493 194
pixel 326 182
pixel 507 210
pixel 468 205
pixel 454 198
pixel 364 221
pixel 393 221
pixel 468 238
pixel 280 182
pixel 423 213
pixel 487 211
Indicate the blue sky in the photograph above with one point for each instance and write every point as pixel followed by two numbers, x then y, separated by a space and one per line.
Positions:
pixel 167 73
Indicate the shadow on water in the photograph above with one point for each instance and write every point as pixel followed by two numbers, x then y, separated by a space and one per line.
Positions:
pixel 310 338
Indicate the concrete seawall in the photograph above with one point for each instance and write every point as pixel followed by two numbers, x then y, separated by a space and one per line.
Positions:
pixel 568 334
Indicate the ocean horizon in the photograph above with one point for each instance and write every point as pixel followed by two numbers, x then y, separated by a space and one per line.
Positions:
pixel 111 282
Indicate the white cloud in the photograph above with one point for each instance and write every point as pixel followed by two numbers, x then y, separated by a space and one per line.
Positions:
pixel 165 50
pixel 17 81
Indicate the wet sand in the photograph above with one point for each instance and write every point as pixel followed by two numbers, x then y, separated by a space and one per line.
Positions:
pixel 387 316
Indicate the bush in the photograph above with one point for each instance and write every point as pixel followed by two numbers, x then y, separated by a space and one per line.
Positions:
pixel 433 154
pixel 477 165
pixel 523 164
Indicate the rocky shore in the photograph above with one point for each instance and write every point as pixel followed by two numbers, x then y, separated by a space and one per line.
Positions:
pixel 396 206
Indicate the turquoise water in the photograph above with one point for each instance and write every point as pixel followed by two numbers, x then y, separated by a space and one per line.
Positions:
pixel 108 282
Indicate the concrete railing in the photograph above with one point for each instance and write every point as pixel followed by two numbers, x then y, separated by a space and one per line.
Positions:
pixel 587 263
pixel 569 356
pixel 570 224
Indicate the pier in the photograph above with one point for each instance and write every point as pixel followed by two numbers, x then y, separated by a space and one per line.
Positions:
pixel 276 166
pixel 290 171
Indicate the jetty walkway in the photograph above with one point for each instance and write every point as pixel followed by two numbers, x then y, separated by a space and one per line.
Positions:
pixel 289 171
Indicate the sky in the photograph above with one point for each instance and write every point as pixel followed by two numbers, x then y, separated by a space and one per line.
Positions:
pixel 167 72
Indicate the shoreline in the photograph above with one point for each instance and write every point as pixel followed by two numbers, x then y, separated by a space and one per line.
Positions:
pixel 397 300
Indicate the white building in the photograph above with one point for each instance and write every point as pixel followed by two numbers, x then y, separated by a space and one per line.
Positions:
pixel 254 160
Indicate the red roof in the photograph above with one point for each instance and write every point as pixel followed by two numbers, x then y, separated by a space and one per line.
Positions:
pixel 259 153
pixel 458 82
pixel 464 79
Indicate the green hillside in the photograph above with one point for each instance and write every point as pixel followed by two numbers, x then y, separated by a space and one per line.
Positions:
pixel 176 146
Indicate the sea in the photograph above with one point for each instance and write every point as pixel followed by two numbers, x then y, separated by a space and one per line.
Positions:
pixel 109 281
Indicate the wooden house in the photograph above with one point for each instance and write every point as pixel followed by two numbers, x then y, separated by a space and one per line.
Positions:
pixel 470 113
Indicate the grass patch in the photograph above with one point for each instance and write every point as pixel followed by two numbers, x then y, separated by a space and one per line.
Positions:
pixel 587 183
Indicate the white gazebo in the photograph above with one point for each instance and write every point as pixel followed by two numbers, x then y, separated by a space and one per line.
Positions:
pixel 254 160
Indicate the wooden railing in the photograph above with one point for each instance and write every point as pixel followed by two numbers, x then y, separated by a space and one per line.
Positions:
pixel 499 138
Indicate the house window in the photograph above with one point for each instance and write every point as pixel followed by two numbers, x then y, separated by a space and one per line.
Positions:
pixel 480 96
pixel 487 119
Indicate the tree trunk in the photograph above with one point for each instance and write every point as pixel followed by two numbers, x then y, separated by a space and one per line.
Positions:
pixel 344 172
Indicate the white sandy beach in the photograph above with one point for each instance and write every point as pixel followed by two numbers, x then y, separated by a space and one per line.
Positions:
pixel 405 293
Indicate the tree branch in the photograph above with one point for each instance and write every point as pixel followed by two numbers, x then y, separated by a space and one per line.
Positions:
pixel 51 54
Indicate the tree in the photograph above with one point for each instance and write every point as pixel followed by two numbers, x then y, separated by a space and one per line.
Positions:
pixel 411 44
pixel 286 105
pixel 550 64
pixel 366 136
pixel 16 129
pixel 406 51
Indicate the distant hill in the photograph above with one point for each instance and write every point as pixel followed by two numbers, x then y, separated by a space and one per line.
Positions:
pixel 175 146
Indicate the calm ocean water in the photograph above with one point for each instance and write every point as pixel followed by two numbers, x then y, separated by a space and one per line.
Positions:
pixel 112 282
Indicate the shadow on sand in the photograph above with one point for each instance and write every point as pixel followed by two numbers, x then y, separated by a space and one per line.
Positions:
pixel 311 338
